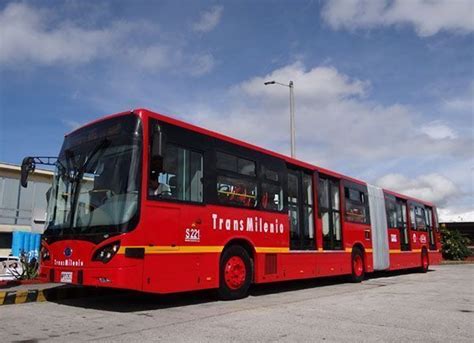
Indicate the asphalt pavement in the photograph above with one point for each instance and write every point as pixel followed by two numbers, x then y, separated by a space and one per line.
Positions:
pixel 388 307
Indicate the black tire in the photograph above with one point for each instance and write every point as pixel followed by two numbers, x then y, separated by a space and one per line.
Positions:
pixel 425 261
pixel 358 274
pixel 225 292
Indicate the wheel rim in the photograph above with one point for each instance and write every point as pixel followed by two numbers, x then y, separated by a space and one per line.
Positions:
pixel 358 265
pixel 235 272
pixel 425 261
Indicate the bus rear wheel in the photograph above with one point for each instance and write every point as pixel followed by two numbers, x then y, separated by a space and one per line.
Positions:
pixel 235 273
pixel 357 262
pixel 425 262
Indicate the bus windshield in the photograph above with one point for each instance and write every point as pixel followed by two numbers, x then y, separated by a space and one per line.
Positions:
pixel 97 177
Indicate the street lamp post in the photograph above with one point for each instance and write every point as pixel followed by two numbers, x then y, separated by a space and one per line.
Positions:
pixel 292 111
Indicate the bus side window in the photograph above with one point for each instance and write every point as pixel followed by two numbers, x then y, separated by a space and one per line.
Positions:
pixel 177 175
pixel 236 191
pixel 272 197
pixel 391 208
pixel 236 180
pixel 356 206
pixel 272 191
pixel 420 218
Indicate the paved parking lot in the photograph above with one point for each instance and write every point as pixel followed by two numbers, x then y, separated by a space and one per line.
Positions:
pixel 437 306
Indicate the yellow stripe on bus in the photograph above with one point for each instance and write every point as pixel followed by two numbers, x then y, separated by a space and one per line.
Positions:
pixel 187 249
pixel 398 251
pixel 197 249
pixel 270 250
pixel 350 250
pixel 183 249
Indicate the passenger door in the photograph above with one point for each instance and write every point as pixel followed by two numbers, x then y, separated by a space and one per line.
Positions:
pixel 403 225
pixel 300 210
pixel 430 227
pixel 330 212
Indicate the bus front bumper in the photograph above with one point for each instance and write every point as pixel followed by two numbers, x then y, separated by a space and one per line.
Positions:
pixel 118 277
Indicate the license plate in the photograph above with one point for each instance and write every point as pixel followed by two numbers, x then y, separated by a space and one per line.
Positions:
pixel 66 277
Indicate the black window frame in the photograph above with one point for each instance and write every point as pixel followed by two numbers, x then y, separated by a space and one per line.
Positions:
pixel 237 158
pixel 430 228
pixel 301 242
pixel 390 199
pixel 349 186
pixel 331 244
pixel 184 147
pixel 208 147
pixel 236 175
pixel 414 205
pixel 173 134
pixel 279 168
pixel 422 216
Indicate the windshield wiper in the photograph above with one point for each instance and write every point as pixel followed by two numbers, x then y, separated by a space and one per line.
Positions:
pixel 78 176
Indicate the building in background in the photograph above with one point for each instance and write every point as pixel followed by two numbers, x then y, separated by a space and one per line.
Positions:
pixel 21 209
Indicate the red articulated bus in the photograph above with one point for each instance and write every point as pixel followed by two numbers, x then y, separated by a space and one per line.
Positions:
pixel 145 202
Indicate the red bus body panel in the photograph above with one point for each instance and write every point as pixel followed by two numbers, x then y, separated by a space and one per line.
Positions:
pixel 173 264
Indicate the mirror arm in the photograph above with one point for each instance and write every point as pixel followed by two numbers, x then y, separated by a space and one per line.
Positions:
pixel 45 160
pixel 29 165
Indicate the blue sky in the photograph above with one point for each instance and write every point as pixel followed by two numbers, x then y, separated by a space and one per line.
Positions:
pixel 384 89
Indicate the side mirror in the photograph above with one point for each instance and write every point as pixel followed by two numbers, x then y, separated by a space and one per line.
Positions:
pixel 157 141
pixel 27 166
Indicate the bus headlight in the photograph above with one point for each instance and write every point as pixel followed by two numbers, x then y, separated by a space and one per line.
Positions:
pixel 105 253
pixel 45 254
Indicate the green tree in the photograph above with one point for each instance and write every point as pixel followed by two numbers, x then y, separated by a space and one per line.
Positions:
pixel 455 245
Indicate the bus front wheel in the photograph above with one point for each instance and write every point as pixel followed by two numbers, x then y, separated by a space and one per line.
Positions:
pixel 235 274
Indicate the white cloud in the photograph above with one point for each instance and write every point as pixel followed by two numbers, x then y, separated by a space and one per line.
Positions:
pixel 461 102
pixel 438 130
pixel 339 126
pixel 453 215
pixel 201 64
pixel 209 19
pixel 433 187
pixel 317 84
pixel 33 36
pixel 428 17
pixel 335 119
pixel 154 57
pixel 25 37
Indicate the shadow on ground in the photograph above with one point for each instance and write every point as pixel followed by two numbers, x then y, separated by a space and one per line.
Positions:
pixel 116 300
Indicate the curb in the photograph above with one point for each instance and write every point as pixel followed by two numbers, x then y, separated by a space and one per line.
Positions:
pixel 449 262
pixel 55 294
pixel 21 297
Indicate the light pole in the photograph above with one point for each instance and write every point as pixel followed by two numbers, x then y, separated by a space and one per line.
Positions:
pixel 292 111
